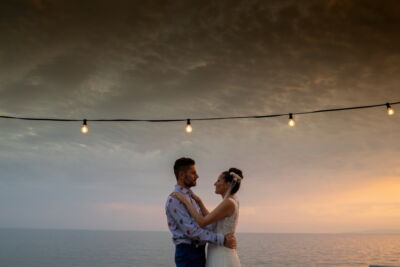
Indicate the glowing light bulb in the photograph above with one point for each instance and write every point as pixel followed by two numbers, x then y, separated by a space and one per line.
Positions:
pixel 390 110
pixel 189 128
pixel 291 120
pixel 84 128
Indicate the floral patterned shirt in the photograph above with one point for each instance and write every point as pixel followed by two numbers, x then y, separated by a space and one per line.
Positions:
pixel 183 227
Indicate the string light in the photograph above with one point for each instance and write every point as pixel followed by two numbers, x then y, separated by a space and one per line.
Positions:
pixel 189 128
pixel 84 128
pixel 291 120
pixel 390 110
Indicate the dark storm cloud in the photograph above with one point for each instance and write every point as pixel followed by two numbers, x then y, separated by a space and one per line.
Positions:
pixel 270 52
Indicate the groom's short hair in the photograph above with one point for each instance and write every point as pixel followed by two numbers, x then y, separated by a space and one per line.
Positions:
pixel 182 164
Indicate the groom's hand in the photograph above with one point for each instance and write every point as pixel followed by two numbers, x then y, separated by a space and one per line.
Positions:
pixel 230 241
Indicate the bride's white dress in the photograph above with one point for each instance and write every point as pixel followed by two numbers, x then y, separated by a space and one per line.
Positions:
pixel 220 256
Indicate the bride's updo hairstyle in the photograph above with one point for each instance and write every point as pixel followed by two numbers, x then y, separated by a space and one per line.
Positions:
pixel 229 178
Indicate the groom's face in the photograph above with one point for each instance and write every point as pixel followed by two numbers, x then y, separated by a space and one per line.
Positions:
pixel 190 176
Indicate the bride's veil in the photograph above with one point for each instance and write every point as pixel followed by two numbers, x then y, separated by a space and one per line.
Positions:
pixel 236 179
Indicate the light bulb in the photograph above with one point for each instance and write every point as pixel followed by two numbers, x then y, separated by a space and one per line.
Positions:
pixel 390 110
pixel 291 120
pixel 84 128
pixel 189 128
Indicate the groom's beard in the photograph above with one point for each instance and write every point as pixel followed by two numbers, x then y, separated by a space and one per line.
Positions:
pixel 189 183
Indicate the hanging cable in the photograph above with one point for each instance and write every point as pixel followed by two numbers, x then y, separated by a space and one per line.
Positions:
pixel 388 105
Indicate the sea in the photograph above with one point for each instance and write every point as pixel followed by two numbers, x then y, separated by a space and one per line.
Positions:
pixel 99 248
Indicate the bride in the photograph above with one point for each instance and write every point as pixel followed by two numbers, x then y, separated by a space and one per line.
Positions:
pixel 224 217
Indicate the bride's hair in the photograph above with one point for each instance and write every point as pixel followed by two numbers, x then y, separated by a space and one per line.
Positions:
pixel 228 177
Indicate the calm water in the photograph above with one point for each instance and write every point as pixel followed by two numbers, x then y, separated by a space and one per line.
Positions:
pixel 82 248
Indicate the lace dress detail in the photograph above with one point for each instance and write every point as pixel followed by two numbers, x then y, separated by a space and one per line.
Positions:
pixel 219 256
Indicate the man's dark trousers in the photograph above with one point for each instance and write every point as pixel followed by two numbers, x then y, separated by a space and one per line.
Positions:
pixel 190 256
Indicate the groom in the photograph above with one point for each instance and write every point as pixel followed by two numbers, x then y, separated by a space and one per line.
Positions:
pixel 188 237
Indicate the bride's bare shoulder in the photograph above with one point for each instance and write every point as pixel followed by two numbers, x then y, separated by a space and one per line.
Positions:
pixel 228 203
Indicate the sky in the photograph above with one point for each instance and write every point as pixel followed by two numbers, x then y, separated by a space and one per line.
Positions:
pixel 333 172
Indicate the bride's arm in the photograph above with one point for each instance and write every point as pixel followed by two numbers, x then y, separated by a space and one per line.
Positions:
pixel 224 209
pixel 203 208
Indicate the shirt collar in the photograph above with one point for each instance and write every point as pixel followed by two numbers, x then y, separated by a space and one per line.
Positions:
pixel 182 190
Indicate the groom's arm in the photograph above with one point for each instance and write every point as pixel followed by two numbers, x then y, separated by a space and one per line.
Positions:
pixel 188 226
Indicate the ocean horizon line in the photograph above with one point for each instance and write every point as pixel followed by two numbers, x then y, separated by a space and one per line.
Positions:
pixel 391 232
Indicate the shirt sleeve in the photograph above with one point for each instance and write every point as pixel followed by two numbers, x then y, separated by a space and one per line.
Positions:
pixel 188 226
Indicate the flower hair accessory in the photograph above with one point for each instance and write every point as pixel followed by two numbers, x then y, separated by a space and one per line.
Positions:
pixel 236 177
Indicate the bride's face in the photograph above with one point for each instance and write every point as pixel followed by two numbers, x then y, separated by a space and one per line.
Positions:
pixel 221 186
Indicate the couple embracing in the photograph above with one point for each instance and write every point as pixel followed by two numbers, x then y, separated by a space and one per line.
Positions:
pixel 192 225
